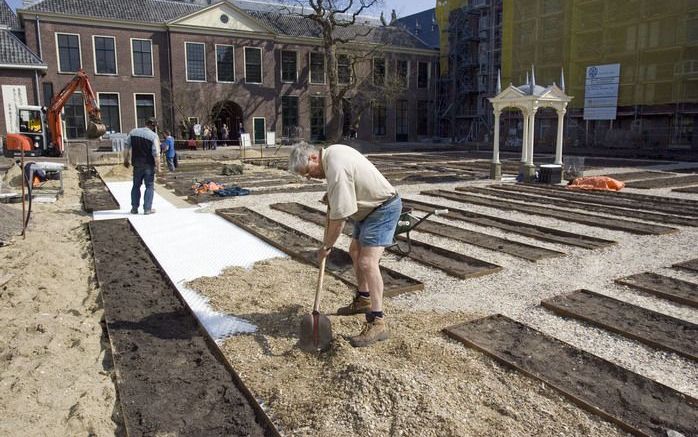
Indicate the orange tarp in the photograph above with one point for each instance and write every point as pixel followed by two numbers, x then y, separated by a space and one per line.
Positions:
pixel 596 183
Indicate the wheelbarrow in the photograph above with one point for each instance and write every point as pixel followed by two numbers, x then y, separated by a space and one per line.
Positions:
pixel 407 223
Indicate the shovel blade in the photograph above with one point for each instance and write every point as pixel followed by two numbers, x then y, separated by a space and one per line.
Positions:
pixel 316 333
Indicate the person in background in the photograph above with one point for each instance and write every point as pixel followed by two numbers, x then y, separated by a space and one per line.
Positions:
pixel 225 134
pixel 356 190
pixel 169 150
pixel 143 152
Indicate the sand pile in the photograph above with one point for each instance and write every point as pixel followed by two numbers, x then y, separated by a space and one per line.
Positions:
pixel 417 383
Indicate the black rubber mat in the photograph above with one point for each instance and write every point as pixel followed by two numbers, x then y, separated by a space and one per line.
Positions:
pixel 453 263
pixel 635 403
pixel 172 380
pixel 582 204
pixel 304 248
pixel 669 288
pixel 577 217
pixel 691 265
pixel 649 327
pixel 526 229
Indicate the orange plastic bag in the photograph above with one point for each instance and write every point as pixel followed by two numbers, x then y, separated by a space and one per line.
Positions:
pixel 596 183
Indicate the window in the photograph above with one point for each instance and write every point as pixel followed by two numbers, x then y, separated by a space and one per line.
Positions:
pixel 402 71
pixel 109 105
pixel 105 54
pixel 195 58
pixel 289 67
pixel 401 121
pixel 423 75
pixel 317 118
pixel 253 65
pixel 379 71
pixel 317 68
pixel 422 117
pixel 379 117
pixel 289 114
pixel 347 129
pixel 142 55
pixel 68 52
pixel 145 108
pixel 343 69
pixel 225 63
pixel 74 116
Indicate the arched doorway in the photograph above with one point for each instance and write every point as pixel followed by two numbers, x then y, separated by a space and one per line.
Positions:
pixel 230 114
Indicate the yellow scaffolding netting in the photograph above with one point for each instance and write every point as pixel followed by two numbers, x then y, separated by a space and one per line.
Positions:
pixel 655 43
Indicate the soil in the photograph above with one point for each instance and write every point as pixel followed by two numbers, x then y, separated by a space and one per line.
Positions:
pixel 649 327
pixel 643 404
pixel 418 383
pixel 159 348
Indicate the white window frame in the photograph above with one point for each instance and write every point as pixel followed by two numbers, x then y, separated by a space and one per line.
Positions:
pixel 121 121
pixel 310 69
pixel 235 76
pixel 133 66
pixel 116 57
pixel 265 131
pixel 281 63
pixel 58 51
pixel 135 107
pixel 261 66
pixel 373 69
pixel 186 62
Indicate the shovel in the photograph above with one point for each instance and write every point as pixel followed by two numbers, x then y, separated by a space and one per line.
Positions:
pixel 316 329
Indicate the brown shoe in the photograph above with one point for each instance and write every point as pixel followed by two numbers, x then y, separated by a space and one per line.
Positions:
pixel 360 305
pixel 371 333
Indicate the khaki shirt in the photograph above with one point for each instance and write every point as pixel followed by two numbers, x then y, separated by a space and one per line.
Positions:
pixel 355 187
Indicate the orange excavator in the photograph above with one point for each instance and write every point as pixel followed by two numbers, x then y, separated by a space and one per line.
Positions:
pixel 38 137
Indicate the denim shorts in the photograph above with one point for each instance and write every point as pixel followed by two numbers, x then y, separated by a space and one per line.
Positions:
pixel 378 228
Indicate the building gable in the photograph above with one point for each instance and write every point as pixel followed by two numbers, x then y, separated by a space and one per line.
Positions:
pixel 221 16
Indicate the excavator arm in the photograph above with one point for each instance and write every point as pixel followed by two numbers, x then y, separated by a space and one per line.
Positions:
pixel 95 127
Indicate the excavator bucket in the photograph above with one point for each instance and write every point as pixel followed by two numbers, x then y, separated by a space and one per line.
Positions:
pixel 95 129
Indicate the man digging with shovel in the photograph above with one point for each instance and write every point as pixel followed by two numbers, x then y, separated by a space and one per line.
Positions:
pixel 356 190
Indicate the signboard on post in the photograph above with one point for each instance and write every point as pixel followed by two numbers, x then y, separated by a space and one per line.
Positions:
pixel 601 92
pixel 12 97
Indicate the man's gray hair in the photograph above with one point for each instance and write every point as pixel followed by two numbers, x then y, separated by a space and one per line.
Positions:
pixel 300 154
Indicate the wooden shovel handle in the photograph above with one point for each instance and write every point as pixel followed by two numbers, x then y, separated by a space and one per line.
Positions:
pixel 321 276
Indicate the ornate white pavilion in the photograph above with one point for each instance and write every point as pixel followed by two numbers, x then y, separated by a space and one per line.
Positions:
pixel 528 98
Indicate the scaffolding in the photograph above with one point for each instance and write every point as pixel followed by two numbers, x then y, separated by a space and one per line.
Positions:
pixel 470 60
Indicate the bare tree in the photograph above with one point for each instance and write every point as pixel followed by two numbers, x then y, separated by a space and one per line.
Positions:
pixel 344 31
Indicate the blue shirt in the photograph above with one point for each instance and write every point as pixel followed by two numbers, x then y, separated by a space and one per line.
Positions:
pixel 170 146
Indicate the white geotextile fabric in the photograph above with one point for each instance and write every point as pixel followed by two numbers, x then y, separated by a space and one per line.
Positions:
pixel 189 244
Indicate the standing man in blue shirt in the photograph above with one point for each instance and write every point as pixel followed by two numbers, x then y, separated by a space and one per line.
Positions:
pixel 143 152
pixel 169 150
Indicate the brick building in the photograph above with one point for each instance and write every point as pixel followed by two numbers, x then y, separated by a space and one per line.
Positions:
pixel 232 62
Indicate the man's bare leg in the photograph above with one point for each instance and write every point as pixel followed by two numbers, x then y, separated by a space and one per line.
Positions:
pixel 368 264
pixel 355 252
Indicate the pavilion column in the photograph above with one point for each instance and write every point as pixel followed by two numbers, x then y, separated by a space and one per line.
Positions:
pixel 529 169
pixel 558 144
pixel 524 138
pixel 496 166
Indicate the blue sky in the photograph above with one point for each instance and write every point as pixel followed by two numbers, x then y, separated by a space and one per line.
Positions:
pixel 402 7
